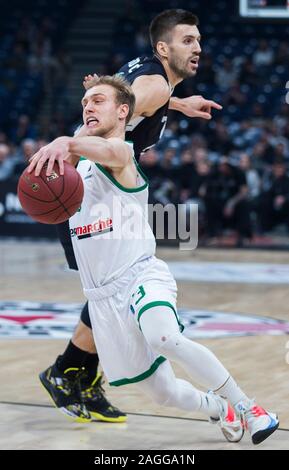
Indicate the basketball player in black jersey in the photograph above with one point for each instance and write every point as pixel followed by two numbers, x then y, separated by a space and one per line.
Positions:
pixel 73 381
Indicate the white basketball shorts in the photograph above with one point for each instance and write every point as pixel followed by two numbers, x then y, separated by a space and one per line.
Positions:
pixel 115 310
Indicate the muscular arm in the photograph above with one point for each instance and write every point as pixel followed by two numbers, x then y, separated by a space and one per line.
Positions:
pixel 113 152
pixel 151 92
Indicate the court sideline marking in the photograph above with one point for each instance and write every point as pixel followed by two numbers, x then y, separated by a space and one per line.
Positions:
pixel 39 405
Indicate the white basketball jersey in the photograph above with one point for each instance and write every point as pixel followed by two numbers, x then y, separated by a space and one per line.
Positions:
pixel 110 232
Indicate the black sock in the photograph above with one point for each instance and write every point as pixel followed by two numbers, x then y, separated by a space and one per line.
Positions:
pixel 91 366
pixel 72 357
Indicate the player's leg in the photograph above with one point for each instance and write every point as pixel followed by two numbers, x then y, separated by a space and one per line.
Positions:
pixel 73 381
pixel 92 392
pixel 82 336
pixel 167 390
pixel 62 382
pixel 161 330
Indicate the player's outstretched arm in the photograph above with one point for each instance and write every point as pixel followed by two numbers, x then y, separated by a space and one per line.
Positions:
pixel 194 106
pixel 112 152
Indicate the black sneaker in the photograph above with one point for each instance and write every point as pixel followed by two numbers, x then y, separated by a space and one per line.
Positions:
pixel 98 406
pixel 64 389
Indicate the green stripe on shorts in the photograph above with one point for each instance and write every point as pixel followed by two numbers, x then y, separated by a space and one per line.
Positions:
pixel 142 376
pixel 157 304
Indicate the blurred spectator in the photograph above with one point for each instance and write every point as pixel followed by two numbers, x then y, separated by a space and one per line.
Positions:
pixel 274 204
pixel 200 155
pixel 235 96
pixel 27 150
pixel 226 75
pixel 263 56
pixel 150 164
pixel 23 130
pixel 186 173
pixel 206 72
pixel 280 151
pixel 225 200
pixel 169 161
pixel 142 41
pixel 248 73
pixel 6 163
pixel 282 54
pixel 253 181
pixel 18 59
pixel 3 138
pixel 263 152
pixel 220 140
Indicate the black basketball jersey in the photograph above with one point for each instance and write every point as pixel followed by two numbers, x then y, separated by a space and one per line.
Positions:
pixel 145 132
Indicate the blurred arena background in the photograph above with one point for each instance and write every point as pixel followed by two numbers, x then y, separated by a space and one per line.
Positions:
pixel 46 48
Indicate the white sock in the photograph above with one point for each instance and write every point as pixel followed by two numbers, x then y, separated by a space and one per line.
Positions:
pixel 232 392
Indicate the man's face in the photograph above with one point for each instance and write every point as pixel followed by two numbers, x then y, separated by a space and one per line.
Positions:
pixel 244 162
pixel 184 50
pixel 101 113
pixel 279 170
pixel 4 152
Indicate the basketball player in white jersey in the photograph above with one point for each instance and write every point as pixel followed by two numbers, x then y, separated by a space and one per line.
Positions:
pixel 132 294
pixel 176 49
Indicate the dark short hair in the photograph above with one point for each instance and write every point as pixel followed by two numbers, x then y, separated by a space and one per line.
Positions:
pixel 163 24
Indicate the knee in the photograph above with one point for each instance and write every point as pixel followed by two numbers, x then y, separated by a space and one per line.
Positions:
pixel 170 345
pixel 165 344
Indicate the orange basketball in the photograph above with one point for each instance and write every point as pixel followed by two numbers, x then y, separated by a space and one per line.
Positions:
pixel 51 199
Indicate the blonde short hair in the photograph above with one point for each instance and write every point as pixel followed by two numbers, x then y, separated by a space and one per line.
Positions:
pixel 123 90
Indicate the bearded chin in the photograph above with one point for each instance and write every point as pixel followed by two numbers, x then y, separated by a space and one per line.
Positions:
pixel 181 72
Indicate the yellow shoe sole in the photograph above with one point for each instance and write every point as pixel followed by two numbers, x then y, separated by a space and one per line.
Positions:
pixel 100 417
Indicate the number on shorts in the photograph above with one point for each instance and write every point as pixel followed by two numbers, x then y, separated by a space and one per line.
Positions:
pixel 141 293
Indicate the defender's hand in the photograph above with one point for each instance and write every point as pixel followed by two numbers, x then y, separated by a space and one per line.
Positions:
pixel 87 79
pixel 195 106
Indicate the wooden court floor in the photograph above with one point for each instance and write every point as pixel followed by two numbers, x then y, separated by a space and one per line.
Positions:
pixel 35 272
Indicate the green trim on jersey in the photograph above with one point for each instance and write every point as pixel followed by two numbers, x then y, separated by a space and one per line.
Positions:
pixel 143 376
pixel 116 183
pixel 119 186
pixel 157 304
